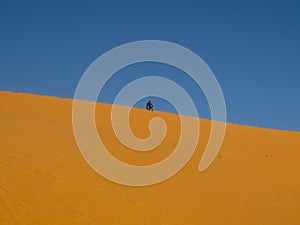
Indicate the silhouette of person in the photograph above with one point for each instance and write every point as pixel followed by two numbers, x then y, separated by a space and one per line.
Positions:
pixel 149 105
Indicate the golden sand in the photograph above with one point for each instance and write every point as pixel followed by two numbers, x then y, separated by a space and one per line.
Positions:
pixel 255 179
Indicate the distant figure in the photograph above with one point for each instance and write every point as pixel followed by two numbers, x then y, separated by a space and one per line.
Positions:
pixel 149 105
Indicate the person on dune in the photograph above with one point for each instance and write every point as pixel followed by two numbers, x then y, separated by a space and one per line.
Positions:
pixel 149 105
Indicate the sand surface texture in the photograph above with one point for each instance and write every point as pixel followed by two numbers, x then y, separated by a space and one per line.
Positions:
pixel 255 179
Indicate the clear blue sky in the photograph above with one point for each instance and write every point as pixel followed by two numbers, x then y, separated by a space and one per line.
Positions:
pixel 253 48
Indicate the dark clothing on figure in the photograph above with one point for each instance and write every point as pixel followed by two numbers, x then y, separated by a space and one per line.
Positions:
pixel 149 105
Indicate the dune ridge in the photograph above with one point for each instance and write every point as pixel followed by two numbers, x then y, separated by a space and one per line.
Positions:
pixel 45 180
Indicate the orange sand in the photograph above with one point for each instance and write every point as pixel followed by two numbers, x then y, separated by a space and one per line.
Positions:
pixel 44 179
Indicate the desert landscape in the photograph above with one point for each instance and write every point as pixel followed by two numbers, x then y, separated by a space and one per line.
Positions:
pixel 254 180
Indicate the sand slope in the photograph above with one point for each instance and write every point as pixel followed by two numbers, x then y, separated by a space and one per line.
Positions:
pixel 45 180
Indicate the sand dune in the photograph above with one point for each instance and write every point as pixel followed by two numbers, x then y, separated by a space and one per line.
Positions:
pixel 45 180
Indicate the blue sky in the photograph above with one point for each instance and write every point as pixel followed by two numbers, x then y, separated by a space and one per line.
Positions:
pixel 253 48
